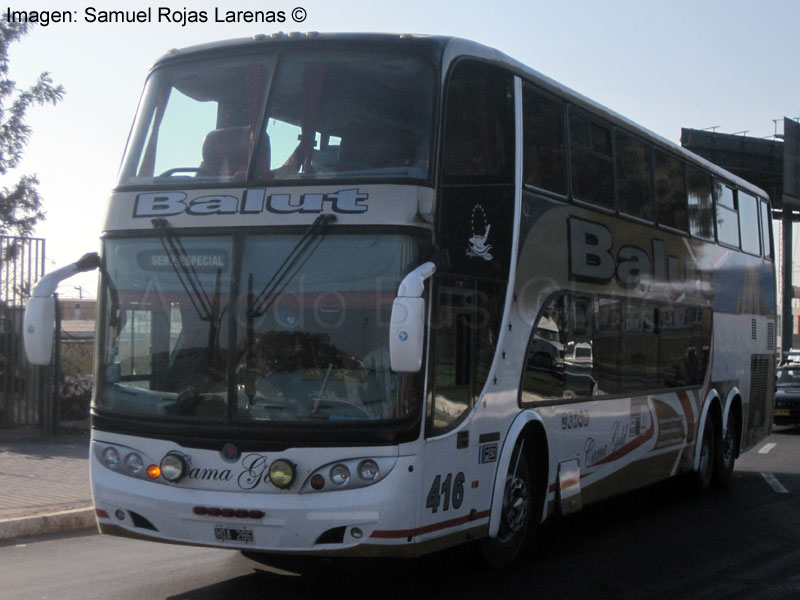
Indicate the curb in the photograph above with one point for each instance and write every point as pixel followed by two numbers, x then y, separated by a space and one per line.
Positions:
pixel 80 518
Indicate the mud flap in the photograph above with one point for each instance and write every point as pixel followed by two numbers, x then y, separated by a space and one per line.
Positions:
pixel 569 487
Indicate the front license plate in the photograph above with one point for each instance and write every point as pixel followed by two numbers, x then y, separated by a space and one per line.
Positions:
pixel 230 534
pixel 781 412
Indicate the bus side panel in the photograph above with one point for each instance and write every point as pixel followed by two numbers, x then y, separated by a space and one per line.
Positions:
pixel 624 443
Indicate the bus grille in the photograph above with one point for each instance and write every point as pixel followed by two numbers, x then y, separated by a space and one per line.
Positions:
pixel 771 335
pixel 759 373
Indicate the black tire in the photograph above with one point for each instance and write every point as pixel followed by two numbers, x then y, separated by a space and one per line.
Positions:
pixel 515 518
pixel 704 475
pixel 728 449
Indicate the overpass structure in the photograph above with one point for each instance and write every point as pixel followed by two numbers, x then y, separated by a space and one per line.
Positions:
pixel 774 166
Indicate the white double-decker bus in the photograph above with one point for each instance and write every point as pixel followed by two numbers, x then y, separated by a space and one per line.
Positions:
pixel 379 295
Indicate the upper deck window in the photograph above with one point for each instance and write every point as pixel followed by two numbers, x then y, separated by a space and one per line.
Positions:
pixel 196 121
pixel 634 176
pixel 701 203
pixel 592 166
pixel 341 113
pixel 748 223
pixel 727 214
pixel 544 162
pixel 766 230
pixel 479 127
pixel 670 195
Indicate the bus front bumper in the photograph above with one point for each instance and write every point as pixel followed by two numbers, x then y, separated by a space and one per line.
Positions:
pixel 337 522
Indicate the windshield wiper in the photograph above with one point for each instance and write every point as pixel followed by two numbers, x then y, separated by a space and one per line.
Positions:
pixel 258 305
pixel 184 269
pixel 207 308
pixel 291 264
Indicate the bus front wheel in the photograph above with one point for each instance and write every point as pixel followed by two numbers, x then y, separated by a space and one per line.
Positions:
pixel 515 516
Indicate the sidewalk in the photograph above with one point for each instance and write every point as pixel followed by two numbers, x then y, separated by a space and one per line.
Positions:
pixel 44 481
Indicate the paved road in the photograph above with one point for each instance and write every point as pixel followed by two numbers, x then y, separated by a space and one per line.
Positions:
pixel 661 543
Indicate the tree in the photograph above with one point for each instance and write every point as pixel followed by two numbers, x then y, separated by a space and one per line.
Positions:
pixel 20 204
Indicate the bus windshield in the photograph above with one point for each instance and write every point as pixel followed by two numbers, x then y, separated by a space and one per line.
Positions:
pixel 296 330
pixel 360 112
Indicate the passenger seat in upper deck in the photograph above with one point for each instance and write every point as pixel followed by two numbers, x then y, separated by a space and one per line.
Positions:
pixel 226 153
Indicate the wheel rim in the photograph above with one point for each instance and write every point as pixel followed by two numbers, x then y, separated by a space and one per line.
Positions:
pixel 515 505
pixel 705 458
pixel 727 444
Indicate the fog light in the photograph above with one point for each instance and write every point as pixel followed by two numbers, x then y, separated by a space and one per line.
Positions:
pixel 340 474
pixel 368 470
pixel 356 533
pixel 134 463
pixel 281 473
pixel 173 467
pixel 111 457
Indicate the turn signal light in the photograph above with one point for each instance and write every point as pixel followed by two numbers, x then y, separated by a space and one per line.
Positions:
pixel 154 471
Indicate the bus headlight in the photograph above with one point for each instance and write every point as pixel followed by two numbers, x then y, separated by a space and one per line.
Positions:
pixel 348 474
pixel 368 470
pixel 111 457
pixel 281 473
pixel 340 474
pixel 173 467
pixel 134 463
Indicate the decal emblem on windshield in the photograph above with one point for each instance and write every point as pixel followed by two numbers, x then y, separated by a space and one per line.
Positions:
pixel 477 243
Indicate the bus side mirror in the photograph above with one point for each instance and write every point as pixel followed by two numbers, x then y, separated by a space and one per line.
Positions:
pixel 407 327
pixel 40 313
pixel 407 335
pixel 37 327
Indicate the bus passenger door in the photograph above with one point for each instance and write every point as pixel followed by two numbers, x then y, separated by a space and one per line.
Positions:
pixel 465 328
pixel 474 232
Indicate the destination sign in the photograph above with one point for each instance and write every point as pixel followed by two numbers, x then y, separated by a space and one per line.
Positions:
pixel 201 261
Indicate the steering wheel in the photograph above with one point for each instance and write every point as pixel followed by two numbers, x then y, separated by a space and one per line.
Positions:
pixel 362 409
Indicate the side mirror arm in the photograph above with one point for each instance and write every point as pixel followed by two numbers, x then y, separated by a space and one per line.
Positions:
pixel 48 284
pixel 39 320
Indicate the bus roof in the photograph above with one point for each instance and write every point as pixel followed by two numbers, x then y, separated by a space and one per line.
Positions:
pixel 452 48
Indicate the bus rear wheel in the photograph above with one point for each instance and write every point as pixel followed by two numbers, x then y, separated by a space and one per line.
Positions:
pixel 515 516
pixel 728 449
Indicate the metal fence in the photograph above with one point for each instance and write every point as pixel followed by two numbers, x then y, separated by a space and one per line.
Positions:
pixel 21 266
pixel 25 389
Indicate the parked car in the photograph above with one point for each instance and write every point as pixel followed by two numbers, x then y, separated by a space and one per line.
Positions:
pixel 787 395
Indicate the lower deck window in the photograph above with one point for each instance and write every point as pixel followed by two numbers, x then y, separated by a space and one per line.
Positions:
pixel 584 346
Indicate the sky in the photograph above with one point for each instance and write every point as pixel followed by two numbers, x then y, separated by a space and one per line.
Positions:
pixel 730 64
